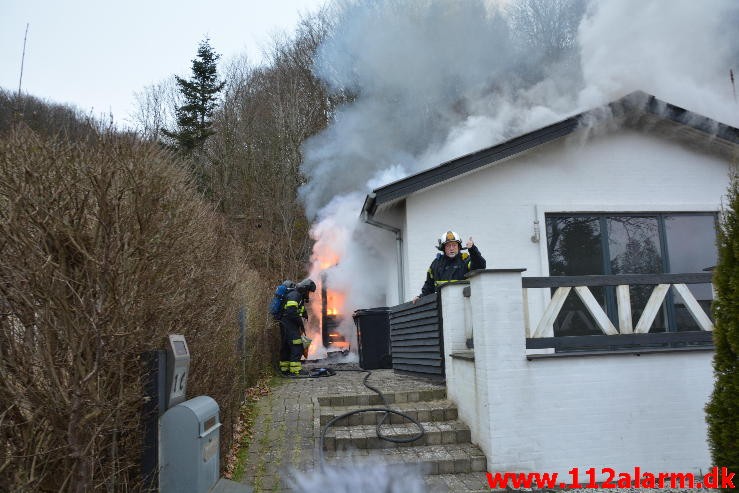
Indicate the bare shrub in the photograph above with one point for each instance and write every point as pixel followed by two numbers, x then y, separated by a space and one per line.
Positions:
pixel 45 117
pixel 105 247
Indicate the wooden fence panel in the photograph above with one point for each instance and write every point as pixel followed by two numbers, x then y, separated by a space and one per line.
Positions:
pixel 416 337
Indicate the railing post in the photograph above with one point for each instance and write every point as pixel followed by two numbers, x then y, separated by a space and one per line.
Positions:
pixel 453 335
pixel 499 343
pixel 453 317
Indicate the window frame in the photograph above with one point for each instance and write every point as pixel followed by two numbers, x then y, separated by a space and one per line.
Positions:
pixel 611 309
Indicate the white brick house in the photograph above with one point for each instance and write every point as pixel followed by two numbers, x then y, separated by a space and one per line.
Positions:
pixel 633 187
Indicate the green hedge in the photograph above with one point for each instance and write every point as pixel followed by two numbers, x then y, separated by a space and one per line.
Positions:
pixel 723 408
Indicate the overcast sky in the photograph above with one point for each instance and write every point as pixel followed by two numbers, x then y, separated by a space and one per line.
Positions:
pixel 95 54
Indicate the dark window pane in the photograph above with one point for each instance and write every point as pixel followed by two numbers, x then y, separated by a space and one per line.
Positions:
pixel 633 243
pixel 691 246
pixel 574 246
pixel 634 248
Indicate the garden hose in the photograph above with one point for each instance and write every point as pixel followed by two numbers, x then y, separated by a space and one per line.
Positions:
pixel 386 412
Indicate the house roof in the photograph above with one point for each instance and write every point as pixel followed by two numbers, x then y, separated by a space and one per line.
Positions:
pixel 636 109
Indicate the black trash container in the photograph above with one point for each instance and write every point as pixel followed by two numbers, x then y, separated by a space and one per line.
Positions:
pixel 373 337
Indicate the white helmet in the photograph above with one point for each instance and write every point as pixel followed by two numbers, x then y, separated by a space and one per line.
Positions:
pixel 447 237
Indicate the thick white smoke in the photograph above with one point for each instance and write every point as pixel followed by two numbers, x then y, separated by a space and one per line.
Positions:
pixel 361 477
pixel 435 79
pixel 341 237
pixel 681 52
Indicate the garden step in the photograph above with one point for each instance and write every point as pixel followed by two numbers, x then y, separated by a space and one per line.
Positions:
pixel 470 482
pixel 371 398
pixel 425 411
pixel 365 436
pixel 433 459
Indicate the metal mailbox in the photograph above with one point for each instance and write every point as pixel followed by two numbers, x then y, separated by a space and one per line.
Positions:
pixel 189 447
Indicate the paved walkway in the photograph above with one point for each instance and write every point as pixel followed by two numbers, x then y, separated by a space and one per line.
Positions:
pixel 283 454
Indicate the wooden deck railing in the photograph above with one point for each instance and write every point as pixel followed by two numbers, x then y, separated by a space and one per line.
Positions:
pixel 626 333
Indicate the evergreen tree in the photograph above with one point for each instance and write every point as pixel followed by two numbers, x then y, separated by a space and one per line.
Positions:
pixel 722 411
pixel 194 117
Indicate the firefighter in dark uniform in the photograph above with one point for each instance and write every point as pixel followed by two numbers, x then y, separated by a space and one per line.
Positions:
pixel 452 265
pixel 292 328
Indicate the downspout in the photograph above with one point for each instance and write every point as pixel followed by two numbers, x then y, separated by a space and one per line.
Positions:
pixel 399 243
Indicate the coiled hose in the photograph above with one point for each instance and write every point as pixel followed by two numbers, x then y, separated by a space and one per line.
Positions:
pixel 386 412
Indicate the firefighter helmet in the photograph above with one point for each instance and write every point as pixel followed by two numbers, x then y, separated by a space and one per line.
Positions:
pixel 306 285
pixel 448 237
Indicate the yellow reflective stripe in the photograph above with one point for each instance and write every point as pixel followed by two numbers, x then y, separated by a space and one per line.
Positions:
pixel 431 274
pixel 297 341
pixel 291 303
pixel 439 283
pixel 284 365
pixel 469 265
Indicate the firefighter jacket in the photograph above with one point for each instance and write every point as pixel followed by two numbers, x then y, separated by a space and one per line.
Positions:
pixel 444 269
pixel 294 312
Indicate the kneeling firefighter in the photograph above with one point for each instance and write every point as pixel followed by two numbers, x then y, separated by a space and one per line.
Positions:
pixel 292 330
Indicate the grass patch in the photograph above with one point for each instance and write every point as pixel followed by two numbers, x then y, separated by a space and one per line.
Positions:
pixel 244 428
pixel 262 466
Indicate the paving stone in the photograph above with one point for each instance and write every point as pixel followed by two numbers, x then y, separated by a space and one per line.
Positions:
pixel 289 422
pixel 436 484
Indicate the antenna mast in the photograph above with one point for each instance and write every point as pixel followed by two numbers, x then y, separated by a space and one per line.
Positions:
pixel 23 59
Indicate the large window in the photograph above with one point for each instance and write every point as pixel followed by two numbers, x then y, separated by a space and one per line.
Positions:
pixel 587 244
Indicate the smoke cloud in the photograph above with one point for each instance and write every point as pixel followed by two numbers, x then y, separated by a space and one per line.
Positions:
pixel 360 477
pixel 436 79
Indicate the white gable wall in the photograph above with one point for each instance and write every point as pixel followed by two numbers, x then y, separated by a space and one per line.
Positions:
pixel 625 171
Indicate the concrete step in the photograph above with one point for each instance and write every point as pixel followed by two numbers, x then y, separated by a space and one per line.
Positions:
pixel 471 482
pixel 365 436
pixel 370 398
pixel 423 411
pixel 433 459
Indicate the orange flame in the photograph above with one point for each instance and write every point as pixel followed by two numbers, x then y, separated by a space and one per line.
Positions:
pixel 334 302
pixel 324 257
pixel 327 262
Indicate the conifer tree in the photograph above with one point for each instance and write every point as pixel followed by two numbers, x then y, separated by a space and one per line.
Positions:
pixel 200 93
pixel 722 411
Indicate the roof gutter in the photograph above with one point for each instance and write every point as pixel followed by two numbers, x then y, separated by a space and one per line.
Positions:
pixel 368 205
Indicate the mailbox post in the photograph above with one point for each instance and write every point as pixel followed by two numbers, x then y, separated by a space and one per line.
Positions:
pixel 178 365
